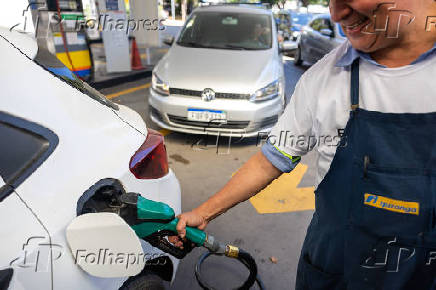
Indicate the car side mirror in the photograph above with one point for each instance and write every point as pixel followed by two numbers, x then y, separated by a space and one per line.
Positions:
pixel 104 245
pixel 326 32
pixel 168 40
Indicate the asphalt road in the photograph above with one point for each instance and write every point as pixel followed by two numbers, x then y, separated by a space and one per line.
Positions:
pixel 203 168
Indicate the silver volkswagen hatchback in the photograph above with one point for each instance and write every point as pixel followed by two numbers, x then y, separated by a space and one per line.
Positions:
pixel 223 76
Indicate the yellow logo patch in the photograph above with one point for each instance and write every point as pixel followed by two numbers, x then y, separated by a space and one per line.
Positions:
pixel 391 204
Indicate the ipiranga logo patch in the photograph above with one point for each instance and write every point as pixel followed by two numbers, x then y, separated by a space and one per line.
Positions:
pixel 391 204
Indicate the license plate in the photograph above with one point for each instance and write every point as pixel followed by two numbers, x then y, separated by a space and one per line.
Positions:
pixel 206 115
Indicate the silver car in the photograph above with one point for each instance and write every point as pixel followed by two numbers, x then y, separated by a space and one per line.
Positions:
pixel 317 39
pixel 223 76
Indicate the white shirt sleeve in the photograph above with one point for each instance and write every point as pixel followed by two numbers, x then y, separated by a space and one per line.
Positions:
pixel 293 132
pixel 292 136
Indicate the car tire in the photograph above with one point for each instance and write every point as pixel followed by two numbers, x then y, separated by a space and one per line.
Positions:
pixel 297 57
pixel 145 281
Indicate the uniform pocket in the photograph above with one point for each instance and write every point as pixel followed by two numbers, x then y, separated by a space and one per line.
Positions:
pixel 394 201
pixel 391 228
pixel 313 277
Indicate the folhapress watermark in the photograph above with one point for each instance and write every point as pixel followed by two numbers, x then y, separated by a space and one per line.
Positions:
pixel 109 257
pixel 222 144
pixel 78 22
pixel 391 256
pixel 38 253
pixel 388 23
pixel 287 138
pixel 106 23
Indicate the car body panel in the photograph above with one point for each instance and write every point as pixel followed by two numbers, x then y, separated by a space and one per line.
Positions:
pixel 227 71
pixel 313 44
pixel 24 246
pixel 24 41
pixel 236 110
pixel 299 20
pixel 95 142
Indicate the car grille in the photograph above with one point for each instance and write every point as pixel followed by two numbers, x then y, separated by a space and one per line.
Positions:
pixel 228 125
pixel 192 93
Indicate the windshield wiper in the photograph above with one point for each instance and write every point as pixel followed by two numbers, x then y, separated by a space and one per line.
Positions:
pixel 236 47
pixel 192 44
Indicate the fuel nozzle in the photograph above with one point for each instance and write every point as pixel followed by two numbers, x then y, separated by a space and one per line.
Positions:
pixel 214 246
pixel 219 248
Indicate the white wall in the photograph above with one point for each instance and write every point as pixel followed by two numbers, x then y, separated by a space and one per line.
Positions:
pixel 145 10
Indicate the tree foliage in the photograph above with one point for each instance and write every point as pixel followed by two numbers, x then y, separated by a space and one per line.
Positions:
pixel 304 3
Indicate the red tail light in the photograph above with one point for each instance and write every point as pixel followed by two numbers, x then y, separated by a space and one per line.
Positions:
pixel 150 161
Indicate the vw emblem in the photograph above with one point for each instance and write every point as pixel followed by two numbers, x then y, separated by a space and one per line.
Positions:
pixel 207 95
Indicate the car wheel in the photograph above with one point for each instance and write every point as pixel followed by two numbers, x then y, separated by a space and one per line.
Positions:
pixel 145 281
pixel 297 57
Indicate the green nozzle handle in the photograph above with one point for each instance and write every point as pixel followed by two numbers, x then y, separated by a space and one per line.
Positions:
pixel 152 210
pixel 195 235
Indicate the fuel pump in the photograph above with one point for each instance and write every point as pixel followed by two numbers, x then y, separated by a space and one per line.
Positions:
pixel 59 25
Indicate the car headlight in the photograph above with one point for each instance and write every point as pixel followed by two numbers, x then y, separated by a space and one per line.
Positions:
pixel 269 92
pixel 159 86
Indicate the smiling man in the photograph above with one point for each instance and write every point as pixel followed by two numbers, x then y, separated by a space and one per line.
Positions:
pixel 374 226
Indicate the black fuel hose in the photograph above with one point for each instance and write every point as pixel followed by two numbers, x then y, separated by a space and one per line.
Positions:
pixel 245 258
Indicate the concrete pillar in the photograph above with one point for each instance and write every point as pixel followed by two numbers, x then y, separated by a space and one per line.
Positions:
pixel 144 13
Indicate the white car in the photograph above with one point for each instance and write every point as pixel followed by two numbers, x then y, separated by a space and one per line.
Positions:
pixel 59 138
pixel 223 76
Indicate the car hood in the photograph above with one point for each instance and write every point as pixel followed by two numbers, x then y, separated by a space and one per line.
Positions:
pixel 223 70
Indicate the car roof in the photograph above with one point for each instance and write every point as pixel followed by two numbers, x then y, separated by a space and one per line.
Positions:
pixel 24 41
pixel 241 8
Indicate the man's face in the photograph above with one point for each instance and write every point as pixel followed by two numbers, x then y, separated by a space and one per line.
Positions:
pixel 371 25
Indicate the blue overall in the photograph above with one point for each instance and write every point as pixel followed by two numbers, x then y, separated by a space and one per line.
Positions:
pixel 374 226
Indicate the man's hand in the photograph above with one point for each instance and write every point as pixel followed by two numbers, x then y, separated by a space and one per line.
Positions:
pixel 190 218
pixel 252 177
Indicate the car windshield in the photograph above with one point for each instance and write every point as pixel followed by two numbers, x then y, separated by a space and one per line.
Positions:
pixel 301 18
pixel 224 30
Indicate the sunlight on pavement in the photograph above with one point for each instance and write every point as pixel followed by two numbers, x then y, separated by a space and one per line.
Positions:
pixel 283 195
pixel 165 132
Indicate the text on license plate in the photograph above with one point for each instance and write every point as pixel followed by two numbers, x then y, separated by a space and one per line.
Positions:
pixel 206 115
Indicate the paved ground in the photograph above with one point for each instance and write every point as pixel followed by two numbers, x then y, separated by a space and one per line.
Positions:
pixel 202 170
